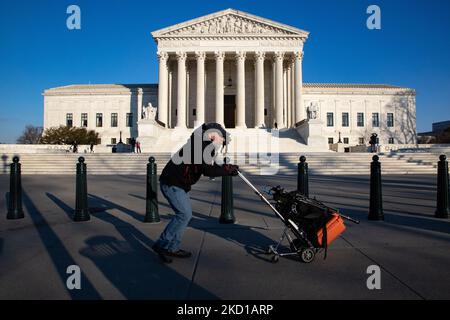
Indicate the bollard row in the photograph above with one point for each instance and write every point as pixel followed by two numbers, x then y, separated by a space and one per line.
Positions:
pixel 81 213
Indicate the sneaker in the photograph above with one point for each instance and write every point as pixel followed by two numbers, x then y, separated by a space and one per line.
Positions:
pixel 162 254
pixel 179 254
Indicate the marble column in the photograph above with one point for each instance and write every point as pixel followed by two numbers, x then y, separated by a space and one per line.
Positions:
pixel 240 96
pixel 299 110
pixel 181 90
pixel 288 95
pixel 220 57
pixel 279 57
pixel 259 101
pixel 292 92
pixel 200 88
pixel 163 88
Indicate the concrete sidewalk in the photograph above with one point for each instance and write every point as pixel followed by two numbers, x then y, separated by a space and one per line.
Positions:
pixel 114 252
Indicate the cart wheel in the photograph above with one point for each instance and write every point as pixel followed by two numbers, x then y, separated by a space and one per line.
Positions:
pixel 275 258
pixel 307 255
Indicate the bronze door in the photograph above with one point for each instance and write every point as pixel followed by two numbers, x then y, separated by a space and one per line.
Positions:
pixel 229 111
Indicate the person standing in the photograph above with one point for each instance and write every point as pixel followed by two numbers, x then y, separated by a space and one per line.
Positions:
pixel 133 144
pixel 373 142
pixel 92 147
pixel 138 146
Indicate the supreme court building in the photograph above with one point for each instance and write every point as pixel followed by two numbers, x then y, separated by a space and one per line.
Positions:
pixel 244 72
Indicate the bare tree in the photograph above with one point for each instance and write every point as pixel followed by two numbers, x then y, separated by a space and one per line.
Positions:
pixel 31 135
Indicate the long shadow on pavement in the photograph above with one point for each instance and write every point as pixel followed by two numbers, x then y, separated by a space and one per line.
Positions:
pixel 429 223
pixel 60 257
pixel 130 265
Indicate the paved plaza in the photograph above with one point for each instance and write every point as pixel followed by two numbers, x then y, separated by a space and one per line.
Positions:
pixel 114 253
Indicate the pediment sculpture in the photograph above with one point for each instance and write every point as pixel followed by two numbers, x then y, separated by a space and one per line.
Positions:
pixel 228 25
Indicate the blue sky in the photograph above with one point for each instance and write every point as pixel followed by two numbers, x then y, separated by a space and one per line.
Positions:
pixel 114 45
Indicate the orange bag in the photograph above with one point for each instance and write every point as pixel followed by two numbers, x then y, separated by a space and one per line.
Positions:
pixel 335 226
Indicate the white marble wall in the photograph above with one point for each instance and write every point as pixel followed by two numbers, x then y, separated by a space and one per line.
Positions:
pixel 57 106
pixel 400 104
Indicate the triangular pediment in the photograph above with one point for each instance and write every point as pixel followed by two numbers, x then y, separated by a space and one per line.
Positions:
pixel 229 22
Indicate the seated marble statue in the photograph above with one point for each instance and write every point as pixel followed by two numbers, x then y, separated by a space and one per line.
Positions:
pixel 149 112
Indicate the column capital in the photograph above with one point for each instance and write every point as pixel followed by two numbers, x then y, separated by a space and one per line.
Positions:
pixel 181 55
pixel 220 55
pixel 163 55
pixel 260 55
pixel 279 56
pixel 240 55
pixel 200 55
pixel 298 55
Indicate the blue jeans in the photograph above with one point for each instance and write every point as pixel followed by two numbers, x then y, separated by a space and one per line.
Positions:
pixel 180 202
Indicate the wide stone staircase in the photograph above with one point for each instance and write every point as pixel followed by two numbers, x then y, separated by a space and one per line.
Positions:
pixel 326 163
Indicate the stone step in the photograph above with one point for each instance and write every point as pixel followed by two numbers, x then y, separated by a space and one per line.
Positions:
pixel 319 163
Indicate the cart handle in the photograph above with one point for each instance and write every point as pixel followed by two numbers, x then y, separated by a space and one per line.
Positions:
pixel 261 196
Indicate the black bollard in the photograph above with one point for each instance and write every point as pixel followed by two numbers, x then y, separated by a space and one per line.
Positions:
pixel 151 204
pixel 442 206
pixel 226 208
pixel 15 210
pixel 376 203
pixel 81 199
pixel 302 177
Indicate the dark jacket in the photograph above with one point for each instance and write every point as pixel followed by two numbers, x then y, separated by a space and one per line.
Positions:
pixel 187 173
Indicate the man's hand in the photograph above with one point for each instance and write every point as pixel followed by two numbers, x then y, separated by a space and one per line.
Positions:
pixel 232 169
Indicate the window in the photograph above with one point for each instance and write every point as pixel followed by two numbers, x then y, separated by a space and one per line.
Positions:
pixel 265 111
pixel 345 119
pixel 345 140
pixel 99 120
pixel 113 140
pixel 361 141
pixel 390 120
pixel 330 120
pixel 375 120
pixel 113 119
pixel 99 141
pixel 194 111
pixel 84 120
pixel 330 140
pixel 129 119
pixel 391 141
pixel 360 119
pixel 69 120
